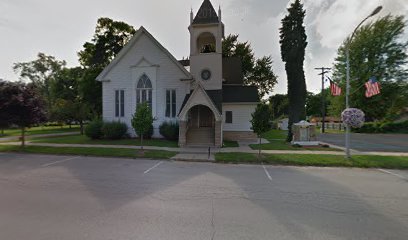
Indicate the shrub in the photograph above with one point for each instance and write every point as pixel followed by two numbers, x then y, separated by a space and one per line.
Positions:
pixel 384 127
pixel 169 130
pixel 94 129
pixel 114 130
pixel 149 133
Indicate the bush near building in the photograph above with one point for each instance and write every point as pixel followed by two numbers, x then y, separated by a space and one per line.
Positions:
pixel 169 130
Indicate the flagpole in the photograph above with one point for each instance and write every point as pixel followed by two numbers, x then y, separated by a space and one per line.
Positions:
pixel 347 140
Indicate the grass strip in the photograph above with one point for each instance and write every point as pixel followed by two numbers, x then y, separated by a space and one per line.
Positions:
pixel 81 139
pixel 100 152
pixel 359 161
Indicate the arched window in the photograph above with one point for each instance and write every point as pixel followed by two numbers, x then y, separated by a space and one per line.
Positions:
pixel 144 91
pixel 206 43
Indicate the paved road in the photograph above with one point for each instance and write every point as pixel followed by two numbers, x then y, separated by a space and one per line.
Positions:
pixel 59 197
pixel 370 142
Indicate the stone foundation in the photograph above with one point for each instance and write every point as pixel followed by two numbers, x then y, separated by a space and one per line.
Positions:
pixel 218 135
pixel 182 133
pixel 238 135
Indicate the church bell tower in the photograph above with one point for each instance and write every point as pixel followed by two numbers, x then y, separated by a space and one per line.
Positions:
pixel 206 34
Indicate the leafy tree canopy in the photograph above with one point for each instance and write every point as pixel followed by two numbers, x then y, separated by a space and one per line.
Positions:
pixel 279 105
pixel 41 72
pixel 109 38
pixel 261 119
pixel 142 120
pixel 20 104
pixel 378 49
pixel 257 72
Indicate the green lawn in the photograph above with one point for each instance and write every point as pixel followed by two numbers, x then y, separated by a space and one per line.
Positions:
pixel 360 161
pixel 105 152
pixel 81 139
pixel 230 144
pixel 277 141
pixel 41 130
pixel 283 145
pixel 275 134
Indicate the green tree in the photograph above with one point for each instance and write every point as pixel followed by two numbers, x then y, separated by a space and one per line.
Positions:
pixel 262 76
pixel 231 47
pixel 69 105
pixel 314 103
pixel 41 72
pixel 142 120
pixel 378 49
pixel 257 72
pixel 293 44
pixel 261 122
pixel 20 104
pixel 109 38
pixel 279 106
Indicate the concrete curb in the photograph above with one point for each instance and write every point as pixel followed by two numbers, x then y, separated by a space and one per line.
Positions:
pixel 204 151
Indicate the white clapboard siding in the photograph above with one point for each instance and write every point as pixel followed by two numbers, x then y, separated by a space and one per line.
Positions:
pixel 241 116
pixel 144 56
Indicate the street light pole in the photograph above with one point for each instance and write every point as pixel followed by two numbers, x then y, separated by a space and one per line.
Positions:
pixel 377 10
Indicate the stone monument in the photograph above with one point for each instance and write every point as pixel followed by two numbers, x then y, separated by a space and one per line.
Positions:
pixel 304 134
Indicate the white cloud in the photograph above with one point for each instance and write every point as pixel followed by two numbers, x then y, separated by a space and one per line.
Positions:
pixel 60 28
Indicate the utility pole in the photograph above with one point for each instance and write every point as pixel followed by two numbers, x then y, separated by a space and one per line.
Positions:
pixel 323 70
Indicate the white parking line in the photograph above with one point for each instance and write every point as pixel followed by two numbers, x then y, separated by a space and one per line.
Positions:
pixel 150 169
pixel 266 172
pixel 56 162
pixel 394 174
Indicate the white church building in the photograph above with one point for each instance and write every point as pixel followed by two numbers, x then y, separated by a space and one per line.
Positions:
pixel 204 94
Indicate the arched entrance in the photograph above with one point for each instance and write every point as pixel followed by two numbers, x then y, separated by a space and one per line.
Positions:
pixel 200 126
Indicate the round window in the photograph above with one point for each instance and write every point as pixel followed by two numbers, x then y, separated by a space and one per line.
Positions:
pixel 206 74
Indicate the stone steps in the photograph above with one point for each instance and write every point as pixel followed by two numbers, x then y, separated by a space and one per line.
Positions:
pixel 200 137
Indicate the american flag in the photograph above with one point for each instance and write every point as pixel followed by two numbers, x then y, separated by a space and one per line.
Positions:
pixel 335 89
pixel 372 87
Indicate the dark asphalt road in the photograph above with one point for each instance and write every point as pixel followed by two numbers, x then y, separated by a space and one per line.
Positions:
pixel 59 197
pixel 370 142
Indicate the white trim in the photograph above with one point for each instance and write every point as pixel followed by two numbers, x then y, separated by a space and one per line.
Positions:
pixel 119 117
pixel 128 47
pixel 209 103
pixel 240 103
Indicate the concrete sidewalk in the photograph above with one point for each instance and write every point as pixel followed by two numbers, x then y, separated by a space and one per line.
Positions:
pixel 204 151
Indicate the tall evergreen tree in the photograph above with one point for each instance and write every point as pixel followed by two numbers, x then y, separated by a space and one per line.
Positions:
pixel 293 44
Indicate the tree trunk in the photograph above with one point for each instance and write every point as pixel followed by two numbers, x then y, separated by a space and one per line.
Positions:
pixel 141 141
pixel 22 136
pixel 259 150
pixel 81 127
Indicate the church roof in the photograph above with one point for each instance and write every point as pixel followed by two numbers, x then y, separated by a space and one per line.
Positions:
pixel 232 71
pixel 240 94
pixel 206 14
pixel 141 31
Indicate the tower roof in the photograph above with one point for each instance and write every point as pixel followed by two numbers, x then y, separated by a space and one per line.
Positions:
pixel 206 14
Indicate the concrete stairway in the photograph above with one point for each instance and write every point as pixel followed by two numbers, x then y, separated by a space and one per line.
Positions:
pixel 200 137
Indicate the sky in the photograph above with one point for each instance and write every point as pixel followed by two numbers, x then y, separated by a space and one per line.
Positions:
pixel 60 28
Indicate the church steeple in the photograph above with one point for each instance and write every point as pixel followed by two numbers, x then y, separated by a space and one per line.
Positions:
pixel 206 14
pixel 206 33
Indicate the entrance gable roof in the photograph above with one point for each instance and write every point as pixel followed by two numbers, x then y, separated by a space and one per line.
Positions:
pixel 196 98
pixel 141 31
